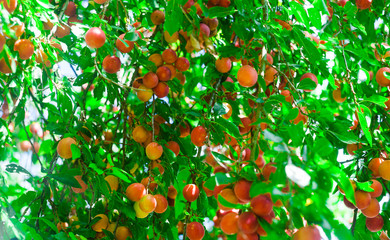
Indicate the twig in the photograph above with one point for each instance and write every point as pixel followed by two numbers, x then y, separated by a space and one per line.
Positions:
pixel 32 145
pixel 354 221
pixel 16 104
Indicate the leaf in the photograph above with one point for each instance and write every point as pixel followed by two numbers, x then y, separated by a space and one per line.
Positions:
pixel 76 153
pixel 364 125
pixel 258 188
pixel 49 223
pixel 84 78
pixel 120 173
pixel 377 99
pixel 322 147
pixel 221 158
pixel 173 16
pixel 230 127
pixel 221 11
pixel 14 168
pixel 300 13
pixel 65 179
pixel 226 203
pixel 307 84
pixel 308 47
pixel 223 178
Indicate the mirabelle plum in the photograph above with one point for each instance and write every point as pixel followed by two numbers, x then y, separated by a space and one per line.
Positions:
pixel 157 17
pixel 161 90
pixel 384 170
pixel 135 191
pixel 174 147
pixel 373 209
pixel 64 147
pixel 95 37
pixel 241 190
pixel 223 65
pixel 162 203
pixel 150 80
pixel 229 224
pixel 198 136
pixel 121 46
pixel 25 48
pixel 191 192
pixel 111 64
pixel 306 233
pixel 83 185
pixel 195 231
pixel 261 205
pixel 362 199
pixel 247 76
pixel 148 203
pixel 140 134
pixel 154 151
pixel 101 224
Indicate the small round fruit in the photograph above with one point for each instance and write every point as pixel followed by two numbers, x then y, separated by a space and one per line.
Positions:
pixel 381 78
pixel 198 136
pixel 162 203
pixel 64 149
pixel 135 191
pixel 122 46
pixel 156 59
pixel 113 182
pixel 154 151
pixel 195 231
pixel 229 224
pixel 223 65
pixel 25 146
pixel 161 90
pixel 83 185
pixel 261 205
pixel 25 48
pixel 138 212
pixel 70 9
pixel 140 134
pixel 362 199
pixel 384 170
pixel 122 233
pixel 373 209
pixel 229 196
pixel 375 224
pixel 150 80
pixel 9 5
pixel 363 4
pixel 144 93
pixel 247 222
pixel 247 76
pixel 101 224
pixel 171 38
pixel 374 164
pixel 164 73
pixel 182 64
pixel 309 232
pixel 172 192
pixel 157 17
pixel 111 64
pixel 174 147
pixel 337 96
pixel 378 189
pixel 169 56
pixel 147 203
pixel 191 192
pixel 241 190
pixel 95 37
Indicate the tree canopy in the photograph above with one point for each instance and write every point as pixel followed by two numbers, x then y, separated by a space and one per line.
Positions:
pixel 194 119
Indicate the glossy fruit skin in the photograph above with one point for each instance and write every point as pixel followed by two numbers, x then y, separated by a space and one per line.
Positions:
pixel 247 76
pixel 156 58
pixel 138 211
pixel 228 195
pixel 229 224
pixel 162 203
pixel 122 233
pixel 144 93
pixel 247 222
pixel 150 80
pixel 64 147
pixel 198 136
pixel 241 189
pixel 161 90
pixel 223 65
pixel 169 56
pixel 191 192
pixel 384 170
pixel 101 224
pixel 373 165
pixel 378 189
pixel 135 191
pixel 95 37
pixel 113 182
pixel 373 209
pixel 380 77
pixel 261 205
pixel 122 47
pixel 164 73
pixel 174 147
pixel 182 64
pixel 111 64
pixel 70 9
pixel 306 233
pixel 195 231
pixel 362 199
pixel 154 151
pixel 140 134
pixel 374 224
pixel 147 203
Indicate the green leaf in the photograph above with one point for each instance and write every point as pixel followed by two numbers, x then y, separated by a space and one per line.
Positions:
pixel 76 153
pixel 365 186
pixel 230 127
pixel 323 147
pixel 173 16
pixel 307 84
pixel 300 13
pixel 123 175
pixel 221 11
pixel 308 47
pixel 221 158
pixel 49 223
pixel 377 99
pixel 226 203
pixel 364 125
pixel 65 179
pixel 223 178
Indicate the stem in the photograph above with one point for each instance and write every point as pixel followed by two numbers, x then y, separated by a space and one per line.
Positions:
pixel 354 221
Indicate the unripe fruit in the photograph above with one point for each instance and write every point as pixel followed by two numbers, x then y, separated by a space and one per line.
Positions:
pixel 101 224
pixel 164 73
pixel 384 170
pixel 150 80
pixel 113 182
pixel 182 64
pixel 135 191
pixel 247 222
pixel 223 65
pixel 174 147
pixel 373 209
pixel 261 205
pixel 140 134
pixel 374 224
pixel 111 64
pixel 247 76
pixel 157 17
pixel 229 224
pixel 198 136
pixel 362 199
pixel 121 46
pixel 381 78
pixel 25 48
pixel 156 59
pixel 309 232
pixel 138 212
pixel 147 203
pixel 191 192
pixel 195 231
pixel 161 90
pixel 64 147
pixel 95 37
pixel 241 190
pixel 162 203
pixel 83 185
pixel 144 93
pixel 154 151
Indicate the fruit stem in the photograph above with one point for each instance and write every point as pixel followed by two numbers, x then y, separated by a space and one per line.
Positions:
pixel 354 221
